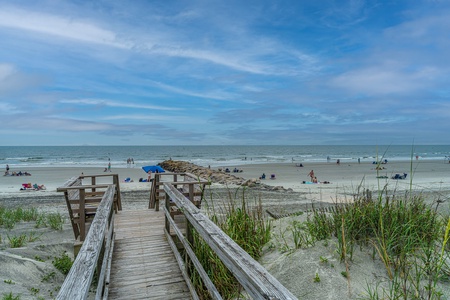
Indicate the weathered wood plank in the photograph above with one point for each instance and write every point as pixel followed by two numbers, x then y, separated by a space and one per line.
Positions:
pixel 78 281
pixel 143 264
pixel 259 283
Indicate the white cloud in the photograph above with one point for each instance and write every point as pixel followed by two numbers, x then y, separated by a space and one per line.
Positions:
pixel 385 80
pixel 110 103
pixel 6 70
pixel 68 27
pixel 156 118
pixel 218 95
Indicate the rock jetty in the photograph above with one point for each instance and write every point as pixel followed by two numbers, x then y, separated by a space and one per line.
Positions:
pixel 217 176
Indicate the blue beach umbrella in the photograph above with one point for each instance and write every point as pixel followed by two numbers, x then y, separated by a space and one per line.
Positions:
pixel 154 169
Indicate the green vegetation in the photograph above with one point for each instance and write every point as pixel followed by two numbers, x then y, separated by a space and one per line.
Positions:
pixel 247 227
pixel 406 234
pixel 10 296
pixel 48 277
pixel 34 291
pixel 9 217
pixel 63 263
pixel 38 258
pixel 55 221
pixel 17 241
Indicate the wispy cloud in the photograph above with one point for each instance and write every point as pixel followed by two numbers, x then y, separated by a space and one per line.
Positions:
pixel 110 103
pixel 63 27
pixel 225 71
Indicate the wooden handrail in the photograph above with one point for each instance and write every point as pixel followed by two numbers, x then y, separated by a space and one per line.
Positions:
pixel 189 179
pixel 98 240
pixel 79 187
pixel 256 280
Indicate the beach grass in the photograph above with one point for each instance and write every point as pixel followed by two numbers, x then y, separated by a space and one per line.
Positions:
pixel 404 231
pixel 10 296
pixel 9 217
pixel 245 224
pixel 63 263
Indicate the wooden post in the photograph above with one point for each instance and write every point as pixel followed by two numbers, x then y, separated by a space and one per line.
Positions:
pixel 93 181
pixel 190 239
pixel 167 203
pixel 156 185
pixel 117 199
pixel 82 213
pixel 175 179
pixel 191 192
pixel 151 203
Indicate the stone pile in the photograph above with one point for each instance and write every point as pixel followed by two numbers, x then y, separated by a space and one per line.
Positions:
pixel 216 176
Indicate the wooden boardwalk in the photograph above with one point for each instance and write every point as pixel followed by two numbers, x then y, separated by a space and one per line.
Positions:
pixel 143 264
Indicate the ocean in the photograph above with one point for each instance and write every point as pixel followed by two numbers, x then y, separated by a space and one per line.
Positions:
pixel 99 156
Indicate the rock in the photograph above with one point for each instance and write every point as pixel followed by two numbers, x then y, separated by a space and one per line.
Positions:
pixel 216 176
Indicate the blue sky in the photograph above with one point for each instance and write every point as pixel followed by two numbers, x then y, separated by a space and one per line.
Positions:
pixel 224 72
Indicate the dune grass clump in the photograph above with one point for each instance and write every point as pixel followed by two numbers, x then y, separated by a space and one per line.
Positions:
pixel 55 221
pixel 246 225
pixel 9 217
pixel 63 263
pixel 405 233
pixel 10 296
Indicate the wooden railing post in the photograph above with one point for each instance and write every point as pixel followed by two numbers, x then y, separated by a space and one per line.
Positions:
pixel 151 203
pixel 82 214
pixel 167 204
pixel 93 182
pixel 157 194
pixel 117 198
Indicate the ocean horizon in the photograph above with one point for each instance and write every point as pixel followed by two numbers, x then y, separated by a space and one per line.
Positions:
pixel 99 156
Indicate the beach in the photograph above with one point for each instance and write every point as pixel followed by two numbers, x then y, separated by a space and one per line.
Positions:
pixel 430 177
pixel 344 179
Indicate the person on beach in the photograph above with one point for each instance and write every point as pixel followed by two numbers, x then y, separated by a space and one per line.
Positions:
pixel 109 166
pixel 149 178
pixel 311 175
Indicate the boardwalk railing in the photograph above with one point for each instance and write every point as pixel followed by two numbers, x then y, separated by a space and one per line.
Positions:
pixel 95 254
pixel 188 184
pixel 83 199
pixel 258 283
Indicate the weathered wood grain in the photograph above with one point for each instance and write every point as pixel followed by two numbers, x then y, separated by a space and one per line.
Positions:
pixel 78 281
pixel 143 265
pixel 259 283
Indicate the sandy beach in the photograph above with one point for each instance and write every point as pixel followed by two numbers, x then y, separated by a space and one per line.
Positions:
pixel 430 177
pixel 426 176
pixel 423 175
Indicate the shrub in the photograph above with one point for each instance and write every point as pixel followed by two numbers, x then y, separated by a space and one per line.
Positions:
pixel 63 263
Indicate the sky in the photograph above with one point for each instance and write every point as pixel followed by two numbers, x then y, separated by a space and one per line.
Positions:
pixel 232 72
